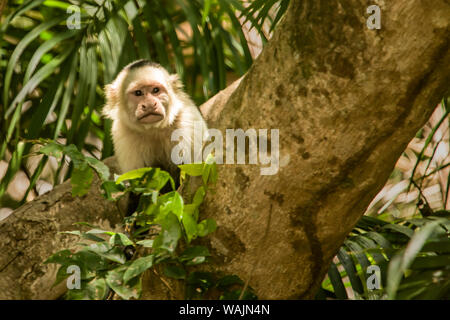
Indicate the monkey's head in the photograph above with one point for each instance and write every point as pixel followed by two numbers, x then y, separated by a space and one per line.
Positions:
pixel 143 95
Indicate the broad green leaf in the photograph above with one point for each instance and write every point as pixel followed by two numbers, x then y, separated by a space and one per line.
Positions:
pixel 194 255
pixel 190 226
pixel 199 196
pixel 172 203
pixel 52 149
pixel 146 243
pixel 61 257
pixel 159 180
pixel 112 191
pixel 206 227
pixel 101 168
pixel 78 159
pixel 104 250
pixel 170 234
pixel 173 271
pixel 120 239
pixel 228 280
pixel 97 289
pixel 192 169
pixel 138 266
pixel 133 174
pixel 126 290
pixel 81 181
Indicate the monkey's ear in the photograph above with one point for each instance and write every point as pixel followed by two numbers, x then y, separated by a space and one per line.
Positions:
pixel 175 82
pixel 112 100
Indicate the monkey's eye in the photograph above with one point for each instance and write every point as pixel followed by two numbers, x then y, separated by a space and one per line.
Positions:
pixel 138 93
pixel 155 90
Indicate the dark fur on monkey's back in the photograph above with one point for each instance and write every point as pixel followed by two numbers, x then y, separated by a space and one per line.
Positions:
pixel 142 63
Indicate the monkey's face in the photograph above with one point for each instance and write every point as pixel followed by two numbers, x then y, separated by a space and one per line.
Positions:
pixel 146 96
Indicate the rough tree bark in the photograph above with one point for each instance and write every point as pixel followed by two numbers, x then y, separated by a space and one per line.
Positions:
pixel 346 100
pixel 30 235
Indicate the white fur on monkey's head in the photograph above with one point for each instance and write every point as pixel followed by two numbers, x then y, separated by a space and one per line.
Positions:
pixel 136 71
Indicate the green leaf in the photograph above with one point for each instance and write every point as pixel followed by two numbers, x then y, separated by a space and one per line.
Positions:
pixel 38 77
pixel 138 266
pixel 403 260
pixel 350 270
pixel 89 261
pixel 126 290
pixel 61 257
pixel 172 203
pixel 45 47
pixel 78 159
pixel 120 239
pixel 190 226
pixel 91 237
pixel 206 227
pixel 199 196
pixel 227 281
pixel 66 99
pixel 205 11
pixel 97 289
pixel 81 181
pixel 336 281
pixel 175 272
pixel 194 255
pixel 20 48
pixel 133 174
pixel 112 191
pixel 192 169
pixel 99 167
pixel 205 174
pixel 170 234
pixel 399 228
pixel 100 231
pixel 431 262
pixel 52 149
pixel 159 180
pixel 438 246
pixel 104 250
pixel 146 243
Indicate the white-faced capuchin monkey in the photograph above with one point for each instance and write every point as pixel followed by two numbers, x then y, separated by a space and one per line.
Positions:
pixel 147 104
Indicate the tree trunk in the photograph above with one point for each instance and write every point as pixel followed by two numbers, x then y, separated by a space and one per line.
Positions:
pixel 346 101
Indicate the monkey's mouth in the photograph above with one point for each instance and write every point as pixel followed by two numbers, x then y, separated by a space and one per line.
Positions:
pixel 150 117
